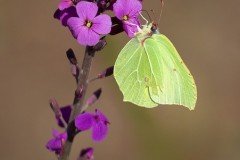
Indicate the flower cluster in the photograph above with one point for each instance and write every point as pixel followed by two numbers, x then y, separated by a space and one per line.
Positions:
pixel 98 122
pixel 87 23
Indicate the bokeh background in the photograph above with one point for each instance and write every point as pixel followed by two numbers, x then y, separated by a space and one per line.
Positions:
pixel 34 69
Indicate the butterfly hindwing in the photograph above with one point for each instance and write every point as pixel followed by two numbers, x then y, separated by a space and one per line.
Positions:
pixel 175 84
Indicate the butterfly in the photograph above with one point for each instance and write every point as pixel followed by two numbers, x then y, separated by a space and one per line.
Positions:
pixel 149 71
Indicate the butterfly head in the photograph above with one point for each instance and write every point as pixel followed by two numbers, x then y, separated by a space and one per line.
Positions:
pixel 146 31
pixel 154 28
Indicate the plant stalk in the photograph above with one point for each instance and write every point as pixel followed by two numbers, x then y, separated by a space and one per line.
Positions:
pixel 78 100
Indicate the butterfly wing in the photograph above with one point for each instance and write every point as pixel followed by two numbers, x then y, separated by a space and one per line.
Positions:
pixel 133 74
pixel 175 84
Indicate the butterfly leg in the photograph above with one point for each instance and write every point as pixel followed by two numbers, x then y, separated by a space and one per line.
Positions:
pixel 138 28
pixel 144 19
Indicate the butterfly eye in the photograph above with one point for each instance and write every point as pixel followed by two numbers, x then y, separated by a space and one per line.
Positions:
pixel 154 27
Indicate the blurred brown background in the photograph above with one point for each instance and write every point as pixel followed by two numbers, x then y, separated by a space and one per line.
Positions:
pixel 34 69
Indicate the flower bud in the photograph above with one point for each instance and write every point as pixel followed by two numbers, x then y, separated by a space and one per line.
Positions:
pixel 107 72
pixel 55 107
pixel 94 97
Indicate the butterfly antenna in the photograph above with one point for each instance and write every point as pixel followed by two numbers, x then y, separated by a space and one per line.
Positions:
pixel 153 15
pixel 162 4
pixel 144 17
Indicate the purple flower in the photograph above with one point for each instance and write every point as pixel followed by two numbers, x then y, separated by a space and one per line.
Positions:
pixel 97 122
pixel 55 144
pixel 65 4
pixel 86 154
pixel 88 27
pixel 128 11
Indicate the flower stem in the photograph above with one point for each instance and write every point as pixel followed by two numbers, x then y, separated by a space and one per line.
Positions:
pixel 78 100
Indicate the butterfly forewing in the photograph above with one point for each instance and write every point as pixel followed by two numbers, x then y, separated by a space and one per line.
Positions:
pixel 133 74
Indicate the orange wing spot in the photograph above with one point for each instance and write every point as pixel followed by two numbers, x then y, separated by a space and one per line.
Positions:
pixel 146 79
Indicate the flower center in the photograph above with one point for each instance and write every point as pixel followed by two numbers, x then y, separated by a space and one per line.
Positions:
pixel 125 18
pixel 88 24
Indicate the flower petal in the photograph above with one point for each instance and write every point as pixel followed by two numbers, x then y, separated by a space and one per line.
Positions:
pixel 88 37
pixel 102 24
pixel 75 25
pixel 54 145
pixel 99 131
pixel 63 137
pixel 64 4
pixel 131 29
pixel 55 133
pixel 84 121
pixel 102 116
pixel 86 10
pixel 132 8
pixel 118 9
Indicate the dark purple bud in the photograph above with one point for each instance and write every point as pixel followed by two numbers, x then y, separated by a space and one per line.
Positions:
pixel 116 29
pixel 66 112
pixel 57 14
pixel 55 107
pixel 111 2
pixel 117 26
pixel 102 5
pixel 102 2
pixel 65 14
pixel 105 5
pixel 71 56
pixel 94 97
pixel 107 72
pixel 86 154
pixel 115 21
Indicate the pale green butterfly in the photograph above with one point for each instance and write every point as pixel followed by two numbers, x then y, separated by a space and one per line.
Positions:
pixel 149 71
